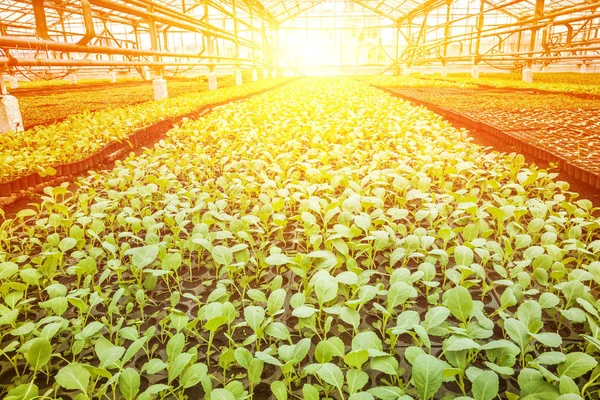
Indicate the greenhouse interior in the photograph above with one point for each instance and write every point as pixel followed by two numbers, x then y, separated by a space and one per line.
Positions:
pixel 300 199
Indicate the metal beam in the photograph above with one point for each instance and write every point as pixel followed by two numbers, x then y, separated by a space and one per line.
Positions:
pixel 57 62
pixel 422 9
pixel 301 10
pixel 365 5
pixel 29 44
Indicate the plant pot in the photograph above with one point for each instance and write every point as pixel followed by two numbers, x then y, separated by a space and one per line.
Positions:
pixel 30 181
pixel 5 189
pixel 15 186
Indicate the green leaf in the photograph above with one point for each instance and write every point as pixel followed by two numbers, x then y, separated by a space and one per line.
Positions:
pixel 550 358
pixel 386 392
pixel 303 312
pixel 154 366
pixel 309 392
pixel 255 369
pixel 278 331
pixel 326 289
pixel 222 255
pixel 38 353
pixel 517 331
pixel 67 244
pixel 254 316
pixel 25 391
pixel 177 366
pixel 331 374
pixel 427 374
pixel 221 394
pixel 463 255
pixel 90 330
pixel 153 390
pixel 539 390
pixel 398 293
pixel 361 396
pixel 356 380
pixel 385 364
pixel 276 301
pixel 301 350
pixel 576 364
pixel 549 339
pixel 485 386
pixel 74 376
pixel 8 269
pixel 279 390
pixel 459 302
pixel 350 316
pixel 356 358
pixel 143 256
pixel 277 259
pixel 193 375
pixel 267 358
pixel 129 383
pixel 435 317
pixel 457 343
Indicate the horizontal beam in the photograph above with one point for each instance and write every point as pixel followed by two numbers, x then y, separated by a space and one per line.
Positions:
pixel 201 27
pixel 38 44
pixel 57 62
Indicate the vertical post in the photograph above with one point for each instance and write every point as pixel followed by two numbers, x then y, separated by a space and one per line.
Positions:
pixel 153 39
pixel 276 52
pixel 397 54
pixel 446 36
pixel 212 77
pixel 3 90
pixel 477 57
pixel 265 46
pixel 14 82
pixel 236 28
pixel 406 69
pixel 252 33
pixel 539 13
pixel 238 73
pixel 10 114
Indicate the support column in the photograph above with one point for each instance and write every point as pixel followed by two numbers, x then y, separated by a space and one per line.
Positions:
pixel 397 56
pixel 406 70
pixel 113 77
pixel 475 71
pixel 539 13
pixel 477 57
pixel 10 114
pixel 582 69
pixel 265 73
pixel 160 88
pixel 74 79
pixel 254 75
pixel 209 43
pixel 212 80
pixel 444 71
pixel 153 41
pixel 14 82
pixel 277 63
pixel 527 75
pixel 238 77
pixel 446 37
